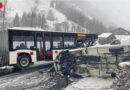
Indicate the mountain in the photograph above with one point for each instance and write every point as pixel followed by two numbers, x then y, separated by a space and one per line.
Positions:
pixel 77 15
pixel 120 31
pixel 92 10
pixel 58 15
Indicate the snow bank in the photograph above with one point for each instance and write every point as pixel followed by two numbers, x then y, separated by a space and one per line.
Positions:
pixel 123 64
pixel 90 84
pixel 107 45
pixel 125 39
pixel 42 63
pixel 122 79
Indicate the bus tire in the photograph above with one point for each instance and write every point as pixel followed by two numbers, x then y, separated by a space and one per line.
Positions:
pixel 23 62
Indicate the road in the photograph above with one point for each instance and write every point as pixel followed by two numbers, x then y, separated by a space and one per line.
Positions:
pixel 32 77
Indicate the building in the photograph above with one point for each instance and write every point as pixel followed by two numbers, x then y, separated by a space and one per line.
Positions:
pixel 106 38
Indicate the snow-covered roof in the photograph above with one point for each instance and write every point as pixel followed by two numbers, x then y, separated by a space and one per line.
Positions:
pixel 105 35
pixel 38 29
pixel 26 29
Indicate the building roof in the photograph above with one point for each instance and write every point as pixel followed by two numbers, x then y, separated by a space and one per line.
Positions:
pixel 105 35
pixel 37 29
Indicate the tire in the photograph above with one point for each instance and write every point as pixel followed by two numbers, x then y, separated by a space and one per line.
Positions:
pixel 23 62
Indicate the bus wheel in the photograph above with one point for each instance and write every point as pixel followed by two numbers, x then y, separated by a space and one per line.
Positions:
pixel 23 62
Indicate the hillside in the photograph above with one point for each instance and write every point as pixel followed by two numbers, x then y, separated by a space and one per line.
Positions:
pixel 58 15
pixel 74 13
pixel 120 31
pixel 39 14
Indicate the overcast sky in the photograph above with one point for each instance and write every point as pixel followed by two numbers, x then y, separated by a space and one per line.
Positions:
pixel 118 11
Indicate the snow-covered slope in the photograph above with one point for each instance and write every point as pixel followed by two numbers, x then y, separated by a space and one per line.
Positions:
pixel 20 6
pixel 43 7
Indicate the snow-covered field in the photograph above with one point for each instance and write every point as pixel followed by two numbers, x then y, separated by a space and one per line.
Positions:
pixel 90 83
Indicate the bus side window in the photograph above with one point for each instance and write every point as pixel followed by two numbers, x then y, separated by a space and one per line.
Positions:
pixel 23 42
pixel 57 41
pixel 29 42
pixel 69 42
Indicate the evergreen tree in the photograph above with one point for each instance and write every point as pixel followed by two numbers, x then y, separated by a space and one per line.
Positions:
pixel 24 20
pixel 73 28
pixel 16 21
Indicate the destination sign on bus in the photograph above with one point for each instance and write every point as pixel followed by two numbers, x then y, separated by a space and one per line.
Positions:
pixel 81 35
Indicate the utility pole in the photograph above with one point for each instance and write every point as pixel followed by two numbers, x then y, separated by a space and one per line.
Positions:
pixel 4 13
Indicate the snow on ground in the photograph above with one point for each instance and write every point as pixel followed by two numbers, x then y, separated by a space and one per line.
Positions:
pixel 32 80
pixel 125 39
pixel 21 81
pixel 123 64
pixel 40 63
pixel 90 83
pixel 107 45
pixel 40 80
pixel 28 79
pixel 126 42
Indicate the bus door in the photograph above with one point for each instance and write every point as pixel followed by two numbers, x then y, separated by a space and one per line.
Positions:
pixel 40 46
pixel 48 46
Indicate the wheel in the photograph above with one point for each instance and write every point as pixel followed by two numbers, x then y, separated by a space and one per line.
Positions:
pixel 23 62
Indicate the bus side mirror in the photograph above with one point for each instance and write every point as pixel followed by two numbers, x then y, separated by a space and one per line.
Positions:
pixel 33 48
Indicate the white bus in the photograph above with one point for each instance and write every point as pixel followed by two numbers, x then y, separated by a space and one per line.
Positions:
pixel 22 47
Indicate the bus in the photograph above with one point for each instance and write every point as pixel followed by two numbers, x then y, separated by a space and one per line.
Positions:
pixel 22 47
